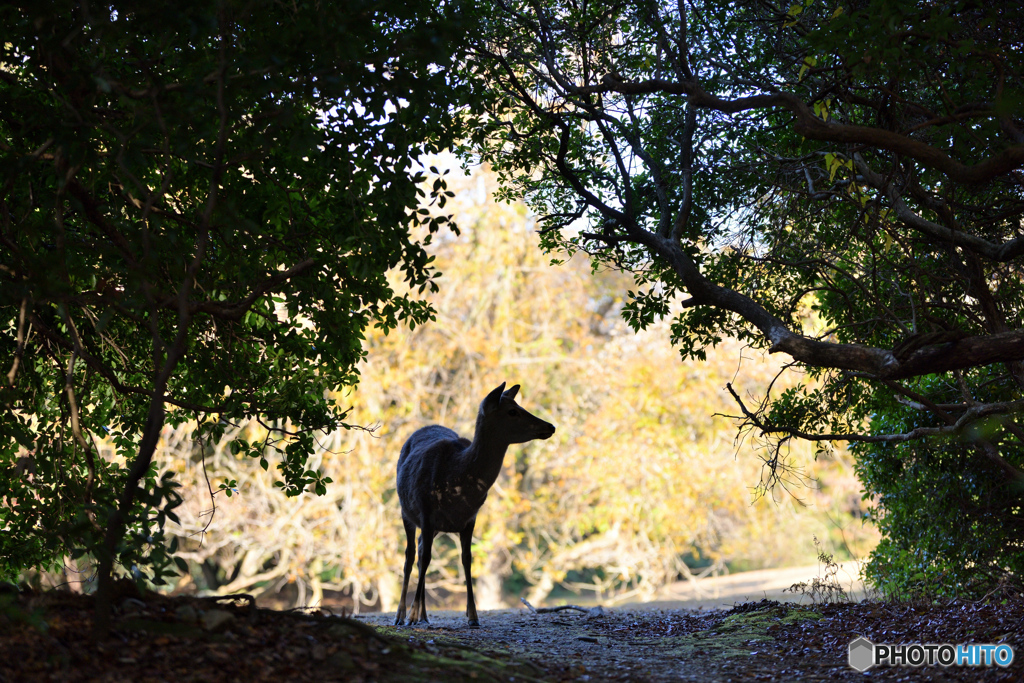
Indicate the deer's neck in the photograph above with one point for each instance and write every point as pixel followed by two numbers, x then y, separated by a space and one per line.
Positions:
pixel 485 455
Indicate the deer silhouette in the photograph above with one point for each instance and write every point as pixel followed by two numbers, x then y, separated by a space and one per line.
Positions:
pixel 443 479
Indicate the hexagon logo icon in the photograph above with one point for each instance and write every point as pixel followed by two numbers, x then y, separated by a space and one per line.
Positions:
pixel 862 654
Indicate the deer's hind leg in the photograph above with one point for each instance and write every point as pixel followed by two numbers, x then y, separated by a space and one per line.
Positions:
pixel 410 555
pixel 419 602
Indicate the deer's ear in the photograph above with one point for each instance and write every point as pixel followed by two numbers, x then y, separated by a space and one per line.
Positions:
pixel 510 394
pixel 493 399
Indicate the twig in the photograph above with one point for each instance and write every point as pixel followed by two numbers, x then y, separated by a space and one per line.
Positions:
pixel 209 487
pixel 592 611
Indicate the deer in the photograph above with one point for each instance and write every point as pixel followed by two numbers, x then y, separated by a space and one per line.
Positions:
pixel 443 480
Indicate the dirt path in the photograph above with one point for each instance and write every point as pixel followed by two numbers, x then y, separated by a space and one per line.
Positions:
pixel 658 641
pixel 763 640
pixel 619 645
pixel 758 642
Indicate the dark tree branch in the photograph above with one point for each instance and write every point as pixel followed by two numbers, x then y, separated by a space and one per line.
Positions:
pixel 1006 251
pixel 812 127
pixel 234 311
pixel 22 336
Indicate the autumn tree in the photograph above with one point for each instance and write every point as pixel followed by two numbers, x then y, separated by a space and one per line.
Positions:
pixel 838 182
pixel 199 204
pixel 640 485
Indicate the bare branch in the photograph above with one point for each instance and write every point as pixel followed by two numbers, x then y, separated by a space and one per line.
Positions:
pixel 957 428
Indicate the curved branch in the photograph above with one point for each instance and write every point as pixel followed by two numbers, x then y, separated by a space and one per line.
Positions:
pixel 876 362
pixel 814 128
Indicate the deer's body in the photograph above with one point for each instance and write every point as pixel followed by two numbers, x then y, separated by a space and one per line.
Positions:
pixel 435 475
pixel 443 479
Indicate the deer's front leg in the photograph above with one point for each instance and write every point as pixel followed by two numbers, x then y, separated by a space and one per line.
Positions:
pixel 466 539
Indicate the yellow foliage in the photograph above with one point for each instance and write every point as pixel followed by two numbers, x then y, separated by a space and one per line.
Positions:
pixel 642 476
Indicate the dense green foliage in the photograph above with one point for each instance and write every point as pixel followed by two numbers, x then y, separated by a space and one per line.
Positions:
pixel 199 204
pixel 840 182
pixel 951 522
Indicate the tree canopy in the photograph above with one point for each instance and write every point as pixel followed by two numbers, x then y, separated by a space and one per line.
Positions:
pixel 840 182
pixel 199 204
